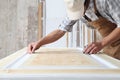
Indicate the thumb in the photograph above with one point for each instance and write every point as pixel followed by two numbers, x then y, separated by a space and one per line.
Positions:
pixel 33 49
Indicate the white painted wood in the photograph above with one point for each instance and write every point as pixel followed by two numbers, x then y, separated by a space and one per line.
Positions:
pixel 22 58
pixel 65 76
pixel 10 72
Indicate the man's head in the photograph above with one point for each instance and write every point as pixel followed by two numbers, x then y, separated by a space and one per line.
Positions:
pixel 75 8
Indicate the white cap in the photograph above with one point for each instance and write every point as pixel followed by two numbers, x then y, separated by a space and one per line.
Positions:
pixel 75 9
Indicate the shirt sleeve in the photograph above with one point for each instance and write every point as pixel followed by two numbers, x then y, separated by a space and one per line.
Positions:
pixel 114 10
pixel 67 24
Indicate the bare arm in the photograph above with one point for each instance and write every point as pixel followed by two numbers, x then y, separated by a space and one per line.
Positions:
pixel 97 46
pixel 114 36
pixel 66 25
pixel 51 37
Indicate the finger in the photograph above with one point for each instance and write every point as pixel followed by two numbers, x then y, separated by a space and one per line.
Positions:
pixel 33 49
pixel 85 48
pixel 89 48
pixel 30 48
pixel 94 50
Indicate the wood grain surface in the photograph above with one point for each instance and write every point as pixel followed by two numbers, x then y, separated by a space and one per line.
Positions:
pixel 60 57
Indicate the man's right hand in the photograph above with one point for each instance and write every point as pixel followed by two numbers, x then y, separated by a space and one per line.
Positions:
pixel 51 37
pixel 32 47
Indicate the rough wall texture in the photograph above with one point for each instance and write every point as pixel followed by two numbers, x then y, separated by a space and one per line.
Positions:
pixel 18 23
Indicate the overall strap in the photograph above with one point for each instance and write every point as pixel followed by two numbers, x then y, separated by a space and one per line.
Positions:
pixel 96 10
pixel 86 5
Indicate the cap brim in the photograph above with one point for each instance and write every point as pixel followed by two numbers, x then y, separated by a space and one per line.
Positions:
pixel 75 15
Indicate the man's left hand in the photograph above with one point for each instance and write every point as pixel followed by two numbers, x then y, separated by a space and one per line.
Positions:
pixel 93 48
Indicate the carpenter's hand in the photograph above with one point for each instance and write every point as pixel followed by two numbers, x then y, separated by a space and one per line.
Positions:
pixel 93 48
pixel 32 47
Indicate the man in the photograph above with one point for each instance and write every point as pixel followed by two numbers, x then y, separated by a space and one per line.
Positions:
pixel 109 9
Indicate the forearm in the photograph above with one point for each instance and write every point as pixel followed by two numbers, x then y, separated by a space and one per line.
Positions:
pixel 51 37
pixel 113 36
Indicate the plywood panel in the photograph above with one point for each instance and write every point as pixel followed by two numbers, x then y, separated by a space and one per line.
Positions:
pixel 11 58
pixel 60 57
pixel 81 71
